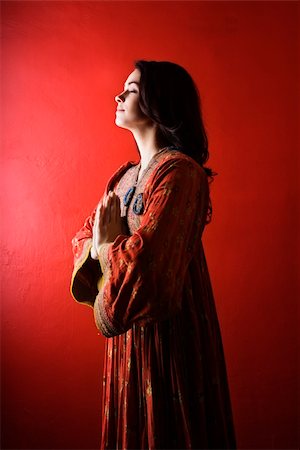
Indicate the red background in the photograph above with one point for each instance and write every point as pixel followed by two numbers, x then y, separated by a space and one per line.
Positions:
pixel 63 63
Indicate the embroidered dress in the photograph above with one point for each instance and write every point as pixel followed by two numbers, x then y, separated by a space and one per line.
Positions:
pixel 164 383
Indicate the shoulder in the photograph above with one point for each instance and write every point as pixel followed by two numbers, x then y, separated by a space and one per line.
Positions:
pixel 176 163
pixel 178 172
pixel 117 175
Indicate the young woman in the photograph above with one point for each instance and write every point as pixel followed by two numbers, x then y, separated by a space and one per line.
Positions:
pixel 139 262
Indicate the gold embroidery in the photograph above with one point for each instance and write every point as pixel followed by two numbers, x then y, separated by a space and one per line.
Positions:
pixel 134 293
pixel 167 191
pixel 103 256
pixel 148 388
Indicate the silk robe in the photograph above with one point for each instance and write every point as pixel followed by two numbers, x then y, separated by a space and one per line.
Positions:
pixel 164 382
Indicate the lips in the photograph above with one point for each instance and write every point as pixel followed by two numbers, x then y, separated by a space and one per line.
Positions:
pixel 118 110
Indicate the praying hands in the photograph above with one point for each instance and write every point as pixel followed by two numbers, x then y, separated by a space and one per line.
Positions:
pixel 108 222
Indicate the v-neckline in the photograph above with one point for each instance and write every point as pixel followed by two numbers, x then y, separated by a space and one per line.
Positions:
pixel 140 177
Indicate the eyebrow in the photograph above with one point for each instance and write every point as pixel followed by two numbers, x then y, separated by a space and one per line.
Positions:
pixel 131 82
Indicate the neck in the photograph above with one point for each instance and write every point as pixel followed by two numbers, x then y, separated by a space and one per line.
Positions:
pixel 146 142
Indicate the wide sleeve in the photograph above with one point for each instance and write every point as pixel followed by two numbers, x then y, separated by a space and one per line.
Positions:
pixel 87 271
pixel 87 275
pixel 144 273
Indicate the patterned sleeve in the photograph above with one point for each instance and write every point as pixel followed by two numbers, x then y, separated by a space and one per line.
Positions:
pixel 87 274
pixel 144 273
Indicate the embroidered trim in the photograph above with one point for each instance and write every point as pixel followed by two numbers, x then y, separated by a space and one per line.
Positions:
pixel 103 256
pixel 103 323
pixel 77 276
pixel 129 183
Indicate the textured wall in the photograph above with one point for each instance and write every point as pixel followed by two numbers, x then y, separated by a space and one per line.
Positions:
pixel 63 63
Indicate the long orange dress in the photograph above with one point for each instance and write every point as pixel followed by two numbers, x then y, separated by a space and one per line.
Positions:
pixel 164 383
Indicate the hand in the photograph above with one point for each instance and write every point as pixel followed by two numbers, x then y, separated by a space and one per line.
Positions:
pixel 108 222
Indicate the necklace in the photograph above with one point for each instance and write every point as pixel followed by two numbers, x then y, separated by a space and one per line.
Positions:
pixel 138 206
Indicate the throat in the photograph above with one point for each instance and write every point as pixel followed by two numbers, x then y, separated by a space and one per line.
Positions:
pixel 139 175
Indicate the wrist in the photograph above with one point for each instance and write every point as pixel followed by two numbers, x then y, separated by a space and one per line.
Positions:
pixel 103 255
pixel 94 254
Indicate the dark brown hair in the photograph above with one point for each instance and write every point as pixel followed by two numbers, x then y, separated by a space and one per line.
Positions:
pixel 170 98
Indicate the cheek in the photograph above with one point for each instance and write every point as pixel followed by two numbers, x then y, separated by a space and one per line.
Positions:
pixel 138 111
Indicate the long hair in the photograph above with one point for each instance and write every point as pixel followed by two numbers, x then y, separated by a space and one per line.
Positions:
pixel 170 98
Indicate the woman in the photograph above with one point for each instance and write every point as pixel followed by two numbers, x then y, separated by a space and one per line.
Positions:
pixel 139 262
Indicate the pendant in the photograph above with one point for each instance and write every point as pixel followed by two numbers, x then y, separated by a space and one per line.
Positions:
pixel 128 196
pixel 138 206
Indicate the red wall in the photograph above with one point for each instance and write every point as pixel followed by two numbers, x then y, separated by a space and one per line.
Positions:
pixel 63 63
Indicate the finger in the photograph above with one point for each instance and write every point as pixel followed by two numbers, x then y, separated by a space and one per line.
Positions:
pixel 101 214
pixel 103 204
pixel 96 218
pixel 118 202
pixel 110 197
pixel 117 208
pixel 111 202
pixel 113 208
pixel 106 212
pixel 96 226
pixel 105 200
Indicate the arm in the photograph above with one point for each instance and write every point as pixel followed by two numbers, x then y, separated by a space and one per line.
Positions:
pixel 87 274
pixel 144 273
pixel 87 271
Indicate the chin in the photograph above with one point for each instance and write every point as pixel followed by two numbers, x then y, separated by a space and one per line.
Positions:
pixel 121 125
pixel 118 123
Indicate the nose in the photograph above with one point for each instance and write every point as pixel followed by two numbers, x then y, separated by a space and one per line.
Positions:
pixel 120 97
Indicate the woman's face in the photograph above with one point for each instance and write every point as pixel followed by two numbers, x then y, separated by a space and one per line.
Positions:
pixel 129 114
